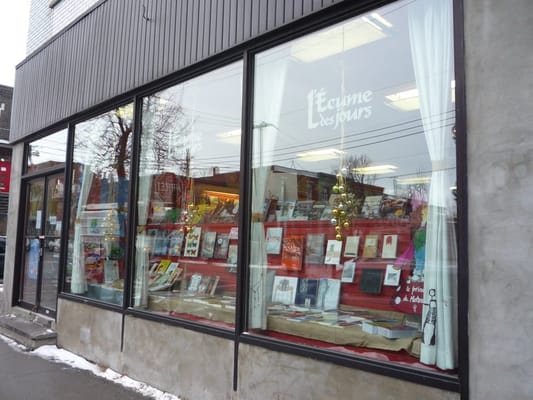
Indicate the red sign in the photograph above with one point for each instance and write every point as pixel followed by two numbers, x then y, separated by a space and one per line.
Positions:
pixel 5 175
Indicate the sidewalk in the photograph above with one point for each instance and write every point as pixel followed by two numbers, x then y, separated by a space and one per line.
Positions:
pixel 24 375
pixel 49 373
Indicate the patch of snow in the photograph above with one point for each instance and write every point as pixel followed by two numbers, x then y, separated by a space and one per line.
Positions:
pixel 54 354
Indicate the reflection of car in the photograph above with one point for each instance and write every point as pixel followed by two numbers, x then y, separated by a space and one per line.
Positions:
pixel 2 256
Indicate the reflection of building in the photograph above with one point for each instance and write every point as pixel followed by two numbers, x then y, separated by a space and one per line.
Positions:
pixel 6 94
pixel 205 36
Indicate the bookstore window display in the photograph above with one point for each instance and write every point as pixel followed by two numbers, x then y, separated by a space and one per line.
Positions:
pixel 188 201
pixel 353 208
pixel 99 202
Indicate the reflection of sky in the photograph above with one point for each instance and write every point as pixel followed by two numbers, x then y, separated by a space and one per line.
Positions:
pixel 50 148
pixel 388 136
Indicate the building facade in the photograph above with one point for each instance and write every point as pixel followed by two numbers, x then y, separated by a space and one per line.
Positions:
pixel 297 199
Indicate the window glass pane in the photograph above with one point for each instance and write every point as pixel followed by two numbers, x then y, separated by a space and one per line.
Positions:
pixel 100 189
pixel 186 245
pixel 47 152
pixel 353 209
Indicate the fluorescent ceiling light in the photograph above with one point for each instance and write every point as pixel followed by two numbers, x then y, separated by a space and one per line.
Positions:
pixel 414 181
pixel 407 100
pixel 337 39
pixel 232 137
pixel 375 170
pixel 320 155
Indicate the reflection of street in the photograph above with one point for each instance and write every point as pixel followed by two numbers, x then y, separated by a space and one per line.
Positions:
pixel 49 279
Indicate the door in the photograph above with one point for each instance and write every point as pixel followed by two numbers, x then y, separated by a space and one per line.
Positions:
pixel 42 243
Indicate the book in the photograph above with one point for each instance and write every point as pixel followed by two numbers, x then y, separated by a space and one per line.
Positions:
pixel 161 243
pixel 371 281
pixel 351 247
pixel 302 210
pixel 392 275
pixel 314 248
pixel 234 233
pixel 192 242
pixel 110 271
pixel 221 246
pixel 208 244
pixel 371 206
pixel 292 252
pixel 389 246
pixel 333 252
pixel 328 293
pixel 317 210
pixel 162 266
pixel 348 272
pixel 390 330
pixel 287 210
pixel 306 292
pixel 204 284
pixel 284 289
pixel 212 287
pixel 273 240
pixel 370 249
pixel 232 257
pixel 194 283
pixel 175 243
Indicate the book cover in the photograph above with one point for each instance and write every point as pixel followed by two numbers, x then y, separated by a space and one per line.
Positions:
pixel 292 252
pixel 208 244
pixel 328 294
pixel 371 281
pixel 351 248
pixel 314 248
pixel 175 243
pixel 192 242
pixel 287 210
pixel 232 258
pixel 306 292
pixel 302 210
pixel 161 243
pixel 390 243
pixel 234 233
pixel 371 206
pixel 392 275
pixel 284 289
pixel 333 252
pixel 370 249
pixel 273 240
pixel 212 287
pixel 194 283
pixel 221 246
pixel 162 266
pixel 204 284
pixel 317 210
pixel 348 272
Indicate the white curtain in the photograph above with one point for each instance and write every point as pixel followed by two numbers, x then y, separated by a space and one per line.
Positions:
pixel 269 85
pixel 430 29
pixel 142 241
pixel 78 284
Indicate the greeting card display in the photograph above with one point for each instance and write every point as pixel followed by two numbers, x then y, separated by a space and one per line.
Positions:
pixel 328 293
pixel 348 272
pixel 306 292
pixel 392 275
pixel 390 243
pixel 273 240
pixel 351 248
pixel 333 252
pixel 314 248
pixel 221 246
pixel 175 243
pixel 192 242
pixel 371 246
pixel 292 252
pixel 371 281
pixel 284 289
pixel 208 244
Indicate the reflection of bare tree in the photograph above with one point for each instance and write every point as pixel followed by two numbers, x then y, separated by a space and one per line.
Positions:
pixel 354 164
pixel 168 126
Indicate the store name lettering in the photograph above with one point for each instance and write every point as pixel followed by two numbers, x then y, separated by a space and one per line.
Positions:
pixel 324 111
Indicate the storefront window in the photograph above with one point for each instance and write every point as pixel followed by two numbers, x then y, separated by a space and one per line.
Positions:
pixel 353 210
pixel 48 152
pixel 188 205
pixel 99 202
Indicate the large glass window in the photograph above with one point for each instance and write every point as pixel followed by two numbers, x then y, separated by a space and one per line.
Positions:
pixel 353 210
pixel 188 202
pixel 48 152
pixel 99 202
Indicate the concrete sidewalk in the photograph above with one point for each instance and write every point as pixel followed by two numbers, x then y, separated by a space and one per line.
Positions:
pixel 24 376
